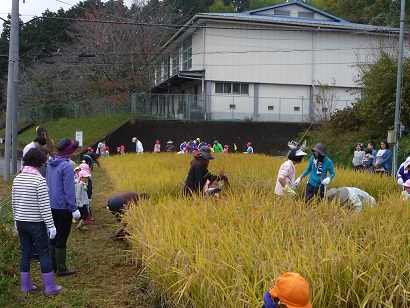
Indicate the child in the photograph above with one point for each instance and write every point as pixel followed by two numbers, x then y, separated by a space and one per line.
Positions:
pixel 157 147
pixel 226 149
pixel 367 158
pixel 105 152
pixel 82 198
pixel 290 290
pixel 358 156
pixel 76 172
pixel 406 192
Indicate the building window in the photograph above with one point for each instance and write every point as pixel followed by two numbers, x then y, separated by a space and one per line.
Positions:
pixel 282 12
pixel 187 54
pixel 175 64
pixel 296 108
pixel 324 109
pixel 231 88
pixel 164 69
pixel 306 14
pixel 270 108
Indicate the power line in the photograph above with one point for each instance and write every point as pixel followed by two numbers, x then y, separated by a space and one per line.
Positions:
pixel 269 27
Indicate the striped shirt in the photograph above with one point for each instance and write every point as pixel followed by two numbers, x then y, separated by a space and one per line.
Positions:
pixel 30 201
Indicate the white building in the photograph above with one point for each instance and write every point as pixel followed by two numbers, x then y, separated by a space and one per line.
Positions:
pixel 269 64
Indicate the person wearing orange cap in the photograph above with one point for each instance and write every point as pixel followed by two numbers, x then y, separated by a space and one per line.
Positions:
pixel 290 291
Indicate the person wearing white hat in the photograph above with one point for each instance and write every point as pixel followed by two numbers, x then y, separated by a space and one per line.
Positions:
pixel 403 173
pixel 139 149
pixel 352 197
pixel 321 171
pixel 285 183
pixel 169 147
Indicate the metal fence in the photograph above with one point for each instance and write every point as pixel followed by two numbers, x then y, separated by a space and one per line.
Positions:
pixel 228 107
pixel 187 107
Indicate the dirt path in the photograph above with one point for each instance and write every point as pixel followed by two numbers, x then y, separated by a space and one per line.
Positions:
pixel 106 276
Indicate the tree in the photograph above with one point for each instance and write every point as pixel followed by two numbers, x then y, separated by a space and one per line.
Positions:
pixel 324 102
pixel 377 105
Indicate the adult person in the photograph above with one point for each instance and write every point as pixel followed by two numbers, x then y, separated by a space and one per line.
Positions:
pixel 120 202
pixel 290 291
pixel 40 141
pixel 383 158
pixel 60 182
pixel 403 173
pixel 321 171
pixel 90 157
pixel 169 147
pixel 352 197
pixel 199 174
pixel 139 149
pixel 370 146
pixel 33 220
pixel 358 155
pixel 285 183
pixel 217 147
pixel 100 147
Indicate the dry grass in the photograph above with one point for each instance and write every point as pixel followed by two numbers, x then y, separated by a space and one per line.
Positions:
pixel 228 252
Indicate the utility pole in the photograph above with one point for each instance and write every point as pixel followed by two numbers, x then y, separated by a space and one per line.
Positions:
pixel 11 86
pixel 397 125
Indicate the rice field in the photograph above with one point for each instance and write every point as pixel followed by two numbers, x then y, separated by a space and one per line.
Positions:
pixel 227 252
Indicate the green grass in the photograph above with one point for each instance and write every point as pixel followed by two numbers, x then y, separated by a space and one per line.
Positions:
pixel 93 129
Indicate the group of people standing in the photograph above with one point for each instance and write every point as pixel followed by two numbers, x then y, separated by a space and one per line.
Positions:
pixel 43 209
pixel 371 160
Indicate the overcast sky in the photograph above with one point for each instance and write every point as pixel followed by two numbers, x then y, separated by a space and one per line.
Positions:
pixel 32 8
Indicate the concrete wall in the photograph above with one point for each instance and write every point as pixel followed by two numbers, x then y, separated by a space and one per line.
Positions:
pixel 267 137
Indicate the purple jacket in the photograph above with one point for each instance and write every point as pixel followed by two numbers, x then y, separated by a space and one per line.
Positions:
pixel 60 182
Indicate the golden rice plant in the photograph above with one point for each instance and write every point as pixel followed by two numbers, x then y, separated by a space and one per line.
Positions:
pixel 227 252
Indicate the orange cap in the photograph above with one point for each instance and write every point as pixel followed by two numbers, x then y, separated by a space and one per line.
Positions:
pixel 293 290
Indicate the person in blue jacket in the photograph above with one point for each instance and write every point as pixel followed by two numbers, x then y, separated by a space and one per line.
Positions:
pixel 383 158
pixel 61 190
pixel 321 171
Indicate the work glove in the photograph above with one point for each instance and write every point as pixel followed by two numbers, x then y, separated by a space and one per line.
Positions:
pixel 52 232
pixel 400 181
pixel 290 191
pixel 298 180
pixel 326 181
pixel 76 214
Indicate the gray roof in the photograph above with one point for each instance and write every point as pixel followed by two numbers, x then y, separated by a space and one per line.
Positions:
pixel 258 16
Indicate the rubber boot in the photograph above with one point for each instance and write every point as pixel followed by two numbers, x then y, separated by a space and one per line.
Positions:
pixel 51 287
pixel 26 285
pixel 81 226
pixel 60 260
pixel 53 258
